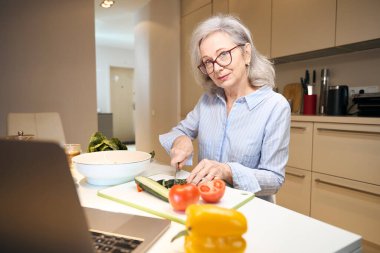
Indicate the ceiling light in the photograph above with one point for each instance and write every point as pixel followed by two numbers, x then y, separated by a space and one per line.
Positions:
pixel 107 3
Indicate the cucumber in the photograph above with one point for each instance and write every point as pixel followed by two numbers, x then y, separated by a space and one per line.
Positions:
pixel 152 187
pixel 169 183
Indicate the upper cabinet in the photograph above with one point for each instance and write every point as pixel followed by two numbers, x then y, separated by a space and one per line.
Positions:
pixel 256 15
pixel 357 21
pixel 300 26
pixel 190 90
pixel 188 6
pixel 219 6
pixel 282 28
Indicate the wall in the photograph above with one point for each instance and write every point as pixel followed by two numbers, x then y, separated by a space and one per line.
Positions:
pixel 157 73
pixel 353 69
pixel 47 63
pixel 105 58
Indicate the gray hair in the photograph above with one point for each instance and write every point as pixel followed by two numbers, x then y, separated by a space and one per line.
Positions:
pixel 260 69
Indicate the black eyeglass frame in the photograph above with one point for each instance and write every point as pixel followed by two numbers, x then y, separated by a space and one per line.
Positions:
pixel 202 66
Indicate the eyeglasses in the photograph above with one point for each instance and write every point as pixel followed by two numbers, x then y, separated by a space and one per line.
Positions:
pixel 223 59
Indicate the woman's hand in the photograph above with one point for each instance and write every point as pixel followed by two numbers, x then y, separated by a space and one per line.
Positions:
pixel 207 170
pixel 181 151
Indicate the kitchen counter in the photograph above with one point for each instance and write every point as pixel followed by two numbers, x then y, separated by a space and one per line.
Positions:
pixel 271 228
pixel 336 119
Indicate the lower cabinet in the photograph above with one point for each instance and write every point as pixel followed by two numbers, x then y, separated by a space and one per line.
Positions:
pixel 349 204
pixel 333 174
pixel 295 192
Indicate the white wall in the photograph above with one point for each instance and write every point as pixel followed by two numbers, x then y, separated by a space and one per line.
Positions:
pixel 157 73
pixel 47 61
pixel 105 58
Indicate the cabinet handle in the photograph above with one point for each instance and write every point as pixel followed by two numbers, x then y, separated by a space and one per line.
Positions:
pixel 295 174
pixel 347 131
pixel 298 127
pixel 346 187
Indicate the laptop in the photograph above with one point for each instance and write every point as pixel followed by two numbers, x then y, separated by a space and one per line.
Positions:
pixel 40 209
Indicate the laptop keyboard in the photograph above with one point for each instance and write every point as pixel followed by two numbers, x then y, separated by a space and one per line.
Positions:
pixel 112 243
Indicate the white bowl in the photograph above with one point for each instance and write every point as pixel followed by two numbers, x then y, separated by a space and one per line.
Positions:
pixel 111 167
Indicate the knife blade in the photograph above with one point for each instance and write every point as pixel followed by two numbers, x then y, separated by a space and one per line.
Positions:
pixel 177 169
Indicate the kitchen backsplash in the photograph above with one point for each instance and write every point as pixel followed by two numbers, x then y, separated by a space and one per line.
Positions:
pixel 352 69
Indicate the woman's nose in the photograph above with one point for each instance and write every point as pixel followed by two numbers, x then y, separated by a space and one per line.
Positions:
pixel 217 67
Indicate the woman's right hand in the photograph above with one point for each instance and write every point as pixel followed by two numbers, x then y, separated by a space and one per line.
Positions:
pixel 181 151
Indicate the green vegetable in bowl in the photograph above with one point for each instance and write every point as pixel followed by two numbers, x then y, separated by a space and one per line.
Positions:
pixel 98 142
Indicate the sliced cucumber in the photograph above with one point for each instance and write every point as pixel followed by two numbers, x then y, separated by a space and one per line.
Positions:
pixel 169 183
pixel 152 187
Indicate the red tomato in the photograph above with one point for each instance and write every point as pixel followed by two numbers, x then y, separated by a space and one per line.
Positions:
pixel 139 189
pixel 212 191
pixel 181 196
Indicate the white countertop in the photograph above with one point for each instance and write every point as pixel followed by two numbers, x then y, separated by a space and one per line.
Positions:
pixel 271 228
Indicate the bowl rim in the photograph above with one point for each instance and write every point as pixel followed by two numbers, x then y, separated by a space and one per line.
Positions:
pixel 75 158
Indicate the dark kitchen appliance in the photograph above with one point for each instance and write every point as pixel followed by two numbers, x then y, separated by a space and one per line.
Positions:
pixel 368 104
pixel 337 100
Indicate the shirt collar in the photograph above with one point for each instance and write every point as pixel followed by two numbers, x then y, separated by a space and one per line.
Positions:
pixel 252 99
pixel 255 98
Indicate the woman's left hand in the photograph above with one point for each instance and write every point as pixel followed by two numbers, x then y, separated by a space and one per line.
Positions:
pixel 207 170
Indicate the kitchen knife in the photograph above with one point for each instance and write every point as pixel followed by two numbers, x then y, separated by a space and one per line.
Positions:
pixel 304 86
pixel 307 77
pixel 177 169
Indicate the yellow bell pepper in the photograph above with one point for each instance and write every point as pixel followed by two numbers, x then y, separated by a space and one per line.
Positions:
pixel 212 228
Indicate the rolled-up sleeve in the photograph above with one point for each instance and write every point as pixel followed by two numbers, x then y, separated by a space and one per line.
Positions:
pixel 188 127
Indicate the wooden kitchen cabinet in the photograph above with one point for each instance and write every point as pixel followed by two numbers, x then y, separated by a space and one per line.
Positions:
pixel 300 146
pixel 190 90
pixel 219 6
pixel 300 26
pixel 347 150
pixel 256 15
pixel 295 192
pixel 342 184
pixel 357 21
pixel 349 204
pixel 188 6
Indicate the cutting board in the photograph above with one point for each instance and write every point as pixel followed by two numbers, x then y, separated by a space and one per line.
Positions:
pixel 127 194
pixel 293 93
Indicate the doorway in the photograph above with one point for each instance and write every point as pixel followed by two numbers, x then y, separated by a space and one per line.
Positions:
pixel 122 103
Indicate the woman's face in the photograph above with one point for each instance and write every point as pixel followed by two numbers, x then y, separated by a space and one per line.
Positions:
pixel 234 75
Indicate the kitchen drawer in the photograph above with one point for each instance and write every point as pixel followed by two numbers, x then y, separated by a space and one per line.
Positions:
pixel 347 150
pixel 295 192
pixel 348 204
pixel 300 146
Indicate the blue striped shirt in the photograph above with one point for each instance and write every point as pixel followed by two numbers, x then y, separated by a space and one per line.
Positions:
pixel 252 139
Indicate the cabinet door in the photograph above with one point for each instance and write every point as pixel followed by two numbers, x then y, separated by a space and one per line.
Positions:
pixel 300 146
pixel 295 192
pixel 300 26
pixel 190 90
pixel 357 21
pixel 256 15
pixel 219 6
pixel 188 6
pixel 347 150
pixel 348 204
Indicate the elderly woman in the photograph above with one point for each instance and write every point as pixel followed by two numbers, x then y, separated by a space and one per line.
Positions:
pixel 242 125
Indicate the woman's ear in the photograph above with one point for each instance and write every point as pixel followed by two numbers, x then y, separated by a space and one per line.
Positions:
pixel 247 53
